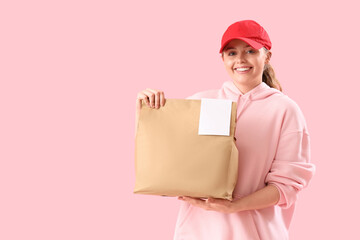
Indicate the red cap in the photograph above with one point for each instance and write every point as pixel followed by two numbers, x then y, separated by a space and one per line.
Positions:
pixel 249 31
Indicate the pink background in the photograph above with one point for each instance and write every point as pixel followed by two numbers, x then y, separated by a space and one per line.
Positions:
pixel 70 72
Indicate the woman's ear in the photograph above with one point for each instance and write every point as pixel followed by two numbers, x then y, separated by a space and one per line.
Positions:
pixel 268 56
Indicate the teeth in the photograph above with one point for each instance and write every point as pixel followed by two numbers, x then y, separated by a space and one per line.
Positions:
pixel 242 69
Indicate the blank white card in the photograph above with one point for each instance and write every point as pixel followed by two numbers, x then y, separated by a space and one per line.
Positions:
pixel 215 117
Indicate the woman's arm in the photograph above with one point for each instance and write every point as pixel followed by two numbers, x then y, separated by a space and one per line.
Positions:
pixel 265 197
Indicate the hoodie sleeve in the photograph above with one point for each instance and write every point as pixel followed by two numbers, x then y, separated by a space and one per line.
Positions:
pixel 291 169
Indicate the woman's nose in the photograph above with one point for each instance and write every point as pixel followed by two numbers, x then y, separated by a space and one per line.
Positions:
pixel 240 57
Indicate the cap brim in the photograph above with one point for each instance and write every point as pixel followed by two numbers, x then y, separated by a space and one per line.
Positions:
pixel 249 41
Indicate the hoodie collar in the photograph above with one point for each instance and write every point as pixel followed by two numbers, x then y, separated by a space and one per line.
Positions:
pixel 232 92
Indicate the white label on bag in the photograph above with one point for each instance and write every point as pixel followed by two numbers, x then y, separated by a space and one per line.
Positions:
pixel 215 117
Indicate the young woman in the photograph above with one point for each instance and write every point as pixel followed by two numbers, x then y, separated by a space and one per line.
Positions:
pixel 273 143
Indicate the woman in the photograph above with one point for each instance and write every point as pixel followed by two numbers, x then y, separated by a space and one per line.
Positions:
pixel 272 140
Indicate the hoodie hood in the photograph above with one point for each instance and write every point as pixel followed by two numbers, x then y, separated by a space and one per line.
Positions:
pixel 230 91
pixel 261 91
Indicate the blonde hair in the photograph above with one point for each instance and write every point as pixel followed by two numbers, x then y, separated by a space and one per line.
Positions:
pixel 268 75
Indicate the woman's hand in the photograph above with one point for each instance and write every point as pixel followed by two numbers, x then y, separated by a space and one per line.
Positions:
pixel 262 198
pixel 213 204
pixel 153 98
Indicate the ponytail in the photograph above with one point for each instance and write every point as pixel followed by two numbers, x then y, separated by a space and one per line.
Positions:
pixel 269 77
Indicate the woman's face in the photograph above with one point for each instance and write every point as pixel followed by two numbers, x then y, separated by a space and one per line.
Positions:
pixel 244 64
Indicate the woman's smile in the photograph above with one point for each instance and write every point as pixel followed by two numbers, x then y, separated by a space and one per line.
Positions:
pixel 243 70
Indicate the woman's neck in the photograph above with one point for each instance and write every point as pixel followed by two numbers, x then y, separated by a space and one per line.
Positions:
pixel 244 88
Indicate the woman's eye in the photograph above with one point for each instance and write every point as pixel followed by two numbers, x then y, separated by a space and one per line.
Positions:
pixel 231 53
pixel 251 51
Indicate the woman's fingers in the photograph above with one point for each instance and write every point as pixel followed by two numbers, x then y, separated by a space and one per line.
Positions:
pixel 153 98
pixel 162 99
pixel 220 205
pixel 150 96
pixel 141 96
pixel 157 96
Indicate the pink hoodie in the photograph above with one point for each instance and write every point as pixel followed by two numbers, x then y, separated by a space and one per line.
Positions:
pixel 273 143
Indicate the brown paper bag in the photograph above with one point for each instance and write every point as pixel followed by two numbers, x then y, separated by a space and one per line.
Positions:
pixel 171 159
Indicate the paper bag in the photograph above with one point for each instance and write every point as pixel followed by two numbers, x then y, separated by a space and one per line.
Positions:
pixel 172 159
